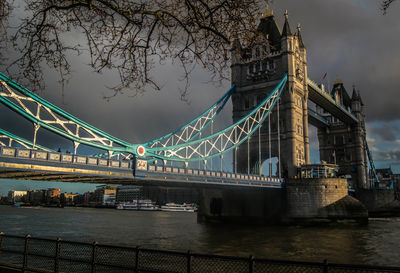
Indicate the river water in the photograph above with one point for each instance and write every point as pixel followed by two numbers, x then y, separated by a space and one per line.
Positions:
pixel 376 243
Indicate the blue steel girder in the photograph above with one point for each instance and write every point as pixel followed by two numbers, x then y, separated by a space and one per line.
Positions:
pixel 222 141
pixel 372 164
pixel 323 99
pixel 7 138
pixel 20 99
pixel 44 114
pixel 194 128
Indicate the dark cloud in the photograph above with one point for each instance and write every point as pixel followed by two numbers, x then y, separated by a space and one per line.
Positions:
pixel 354 41
pixel 387 155
pixel 346 38
pixel 386 131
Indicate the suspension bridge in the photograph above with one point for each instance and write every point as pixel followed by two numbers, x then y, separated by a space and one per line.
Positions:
pixel 124 162
pixel 274 101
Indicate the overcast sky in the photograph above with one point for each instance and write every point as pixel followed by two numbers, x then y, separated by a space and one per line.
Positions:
pixel 349 39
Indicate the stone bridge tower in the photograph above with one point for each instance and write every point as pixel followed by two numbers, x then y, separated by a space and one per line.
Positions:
pixel 345 144
pixel 256 70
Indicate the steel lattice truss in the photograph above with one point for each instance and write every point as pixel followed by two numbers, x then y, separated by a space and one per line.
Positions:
pixel 46 115
pixel 372 164
pixel 223 141
pixel 194 128
pixel 177 146
pixel 7 139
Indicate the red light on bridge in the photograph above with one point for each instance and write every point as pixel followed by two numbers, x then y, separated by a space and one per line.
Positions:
pixel 141 150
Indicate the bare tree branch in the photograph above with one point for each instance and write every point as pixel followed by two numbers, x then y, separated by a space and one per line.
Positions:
pixel 386 4
pixel 5 10
pixel 131 36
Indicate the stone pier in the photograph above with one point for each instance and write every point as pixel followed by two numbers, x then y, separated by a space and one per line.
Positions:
pixel 322 199
pixel 241 205
pixel 303 200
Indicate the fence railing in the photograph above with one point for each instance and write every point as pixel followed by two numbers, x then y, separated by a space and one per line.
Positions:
pixel 29 254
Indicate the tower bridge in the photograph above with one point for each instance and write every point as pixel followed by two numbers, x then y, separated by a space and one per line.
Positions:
pixel 273 105
pixel 256 70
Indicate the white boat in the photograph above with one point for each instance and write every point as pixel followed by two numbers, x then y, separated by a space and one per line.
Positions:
pixel 179 207
pixel 139 205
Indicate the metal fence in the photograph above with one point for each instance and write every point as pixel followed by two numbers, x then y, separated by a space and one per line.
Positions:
pixel 28 254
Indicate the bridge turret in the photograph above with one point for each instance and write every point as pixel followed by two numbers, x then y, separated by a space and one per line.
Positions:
pixel 287 40
pixel 344 143
pixel 236 55
pixel 357 105
pixel 260 68
pixel 299 38
pixel 355 101
pixel 286 27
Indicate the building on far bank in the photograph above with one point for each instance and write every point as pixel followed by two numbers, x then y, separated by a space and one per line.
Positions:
pixel 104 195
pixel 69 199
pixel 128 194
pixel 36 197
pixel 4 200
pixel 396 179
pixel 17 196
pixel 53 196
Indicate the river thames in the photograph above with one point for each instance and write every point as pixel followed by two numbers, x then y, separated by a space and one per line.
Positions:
pixel 376 243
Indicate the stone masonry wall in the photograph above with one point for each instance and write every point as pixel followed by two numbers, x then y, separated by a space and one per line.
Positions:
pixel 306 196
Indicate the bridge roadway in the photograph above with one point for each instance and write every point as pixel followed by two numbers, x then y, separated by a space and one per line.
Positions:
pixel 323 99
pixel 26 164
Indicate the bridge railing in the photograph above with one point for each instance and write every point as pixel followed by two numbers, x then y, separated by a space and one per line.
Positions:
pixel 63 158
pixel 215 175
pixel 142 168
pixel 29 254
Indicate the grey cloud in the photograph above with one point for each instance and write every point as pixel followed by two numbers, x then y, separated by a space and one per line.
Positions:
pixel 351 39
pixel 386 131
pixel 387 155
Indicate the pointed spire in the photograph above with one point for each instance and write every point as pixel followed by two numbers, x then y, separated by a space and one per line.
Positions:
pixel 301 44
pixel 267 13
pixel 354 95
pixel 286 27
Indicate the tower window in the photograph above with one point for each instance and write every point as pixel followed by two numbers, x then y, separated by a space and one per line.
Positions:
pixel 246 103
pixel 271 64
pixel 264 65
pixel 251 69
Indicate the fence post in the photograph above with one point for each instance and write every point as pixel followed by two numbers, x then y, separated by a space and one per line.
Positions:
pixel 57 257
pixel 94 250
pixel 137 259
pixel 189 262
pixel 26 250
pixel 325 266
pixel 251 264
pixel 1 238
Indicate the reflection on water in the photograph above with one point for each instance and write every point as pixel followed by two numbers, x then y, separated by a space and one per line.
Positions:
pixel 376 243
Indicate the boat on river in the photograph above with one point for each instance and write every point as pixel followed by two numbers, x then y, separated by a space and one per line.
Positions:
pixel 179 207
pixel 145 204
